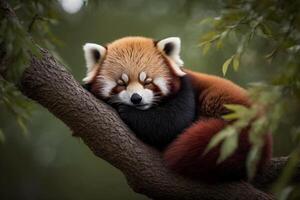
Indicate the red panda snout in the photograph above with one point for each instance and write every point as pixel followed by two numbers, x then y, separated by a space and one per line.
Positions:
pixel 135 94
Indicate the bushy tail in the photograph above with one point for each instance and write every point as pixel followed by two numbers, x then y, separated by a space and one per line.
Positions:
pixel 185 154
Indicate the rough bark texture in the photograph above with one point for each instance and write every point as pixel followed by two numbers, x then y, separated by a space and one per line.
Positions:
pixel 47 82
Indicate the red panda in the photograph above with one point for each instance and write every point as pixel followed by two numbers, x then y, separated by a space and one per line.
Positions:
pixel 174 110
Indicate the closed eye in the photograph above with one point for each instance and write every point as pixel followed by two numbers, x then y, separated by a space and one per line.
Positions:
pixel 148 81
pixel 121 82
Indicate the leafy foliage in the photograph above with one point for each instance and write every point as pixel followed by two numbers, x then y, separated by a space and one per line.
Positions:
pixel 16 37
pixel 16 104
pixel 275 23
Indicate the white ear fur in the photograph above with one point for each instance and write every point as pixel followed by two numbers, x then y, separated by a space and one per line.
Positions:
pixel 90 50
pixel 171 48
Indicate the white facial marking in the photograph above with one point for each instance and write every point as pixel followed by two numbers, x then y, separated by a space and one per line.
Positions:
pixel 148 80
pixel 107 86
pixel 162 84
pixel 124 97
pixel 142 76
pixel 147 100
pixel 120 82
pixel 90 75
pixel 125 78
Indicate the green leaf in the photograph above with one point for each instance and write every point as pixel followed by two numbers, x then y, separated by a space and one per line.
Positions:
pixel 285 193
pixel 206 20
pixel 240 109
pixel 252 161
pixel 265 29
pixel 231 116
pixel 2 136
pixel 22 125
pixel 226 65
pixel 219 44
pixel 258 129
pixel 236 62
pixel 203 44
pixel 228 147
pixel 219 137
pixel 209 36
pixel 224 34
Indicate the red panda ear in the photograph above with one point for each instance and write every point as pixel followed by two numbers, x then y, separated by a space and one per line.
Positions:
pixel 93 54
pixel 171 49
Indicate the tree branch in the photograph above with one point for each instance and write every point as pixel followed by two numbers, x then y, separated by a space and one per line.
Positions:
pixel 47 82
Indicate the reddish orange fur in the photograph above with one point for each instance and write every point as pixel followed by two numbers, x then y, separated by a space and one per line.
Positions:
pixel 131 55
pixel 186 154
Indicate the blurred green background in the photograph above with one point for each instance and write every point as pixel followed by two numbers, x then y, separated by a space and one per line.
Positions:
pixel 47 163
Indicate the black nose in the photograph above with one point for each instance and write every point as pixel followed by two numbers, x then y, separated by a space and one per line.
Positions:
pixel 136 98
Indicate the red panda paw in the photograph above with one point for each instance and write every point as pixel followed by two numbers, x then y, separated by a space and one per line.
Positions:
pixel 186 154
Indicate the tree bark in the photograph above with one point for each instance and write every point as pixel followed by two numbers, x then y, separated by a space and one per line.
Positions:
pixel 47 82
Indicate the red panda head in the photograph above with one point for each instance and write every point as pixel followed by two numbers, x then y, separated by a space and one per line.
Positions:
pixel 136 71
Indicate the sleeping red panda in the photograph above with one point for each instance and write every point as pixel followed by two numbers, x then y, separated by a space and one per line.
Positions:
pixel 174 110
